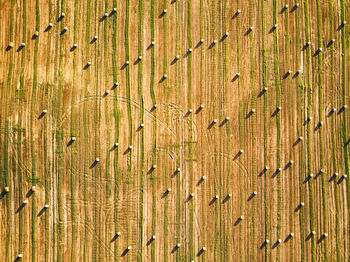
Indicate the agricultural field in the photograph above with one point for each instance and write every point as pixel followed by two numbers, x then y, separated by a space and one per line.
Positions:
pixel 174 130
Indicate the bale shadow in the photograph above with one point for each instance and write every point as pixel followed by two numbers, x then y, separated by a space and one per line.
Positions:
pixel 138 60
pixel 126 251
pixel 150 241
pixel 289 237
pixel 124 66
pixel 211 124
pixel 297 142
pixel 175 248
pixel 223 122
pixel 41 115
pixel 317 127
pixel 70 142
pixel 139 128
pixel 307 179
pixel 235 15
pixel 213 200
pixel 174 61
pixel 262 172
pixel 264 244
pixel 211 45
pixel 318 51
pixel 19 48
pixel 340 27
pixel 42 211
pixel 238 221
pixel 199 109
pixel 252 195
pixel 330 43
pixel 234 79
pixel 102 18
pixel 200 181
pixel 318 174
pixel 198 44
pixel 296 75
pixel 150 171
pixel 225 199
pixel 114 238
pixel 60 19
pixel 237 155
pixel 293 9
pixel 305 47
pixel 105 94
pixel 94 164
pixel 174 174
pixel 307 121
pixel 63 31
pixel 341 179
pixel 275 244
pixel 285 76
pixel 248 32
pixel 187 54
pixel 277 171
pixel 249 114
pixel 8 48
pixel 48 28
pixel 162 79
pixel 261 93
pixel 187 113
pixel 153 108
pixel 165 194
pixel 2 194
pixel 21 207
pixel 188 198
pixel 273 29
pixel 29 193
pixel 309 236
pixel 321 239
pixel 162 14
pixel 341 110
pixel 330 113
pixel 200 252
pixel 72 48
pixel 86 66
pixel 150 46
pixel 222 39
pixel 298 208
pixel 284 9
pixel 288 165
pixel 112 13
pixel 93 40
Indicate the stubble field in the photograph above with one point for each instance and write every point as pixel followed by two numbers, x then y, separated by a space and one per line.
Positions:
pixel 197 133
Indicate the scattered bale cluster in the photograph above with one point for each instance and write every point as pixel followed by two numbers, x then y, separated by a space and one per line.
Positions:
pixel 201 107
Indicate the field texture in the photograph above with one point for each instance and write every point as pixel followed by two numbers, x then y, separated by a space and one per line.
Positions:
pixel 173 130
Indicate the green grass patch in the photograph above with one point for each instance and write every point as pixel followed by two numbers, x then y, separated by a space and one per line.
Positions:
pixel 309 131
pixel 334 138
pixel 32 124
pixel 278 123
pixel 6 142
pixel 301 112
pixel 73 131
pixel 154 146
pixel 344 44
pixel 142 113
pixel 321 139
pixel 86 248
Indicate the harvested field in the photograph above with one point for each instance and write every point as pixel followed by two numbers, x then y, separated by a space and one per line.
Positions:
pixel 172 130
